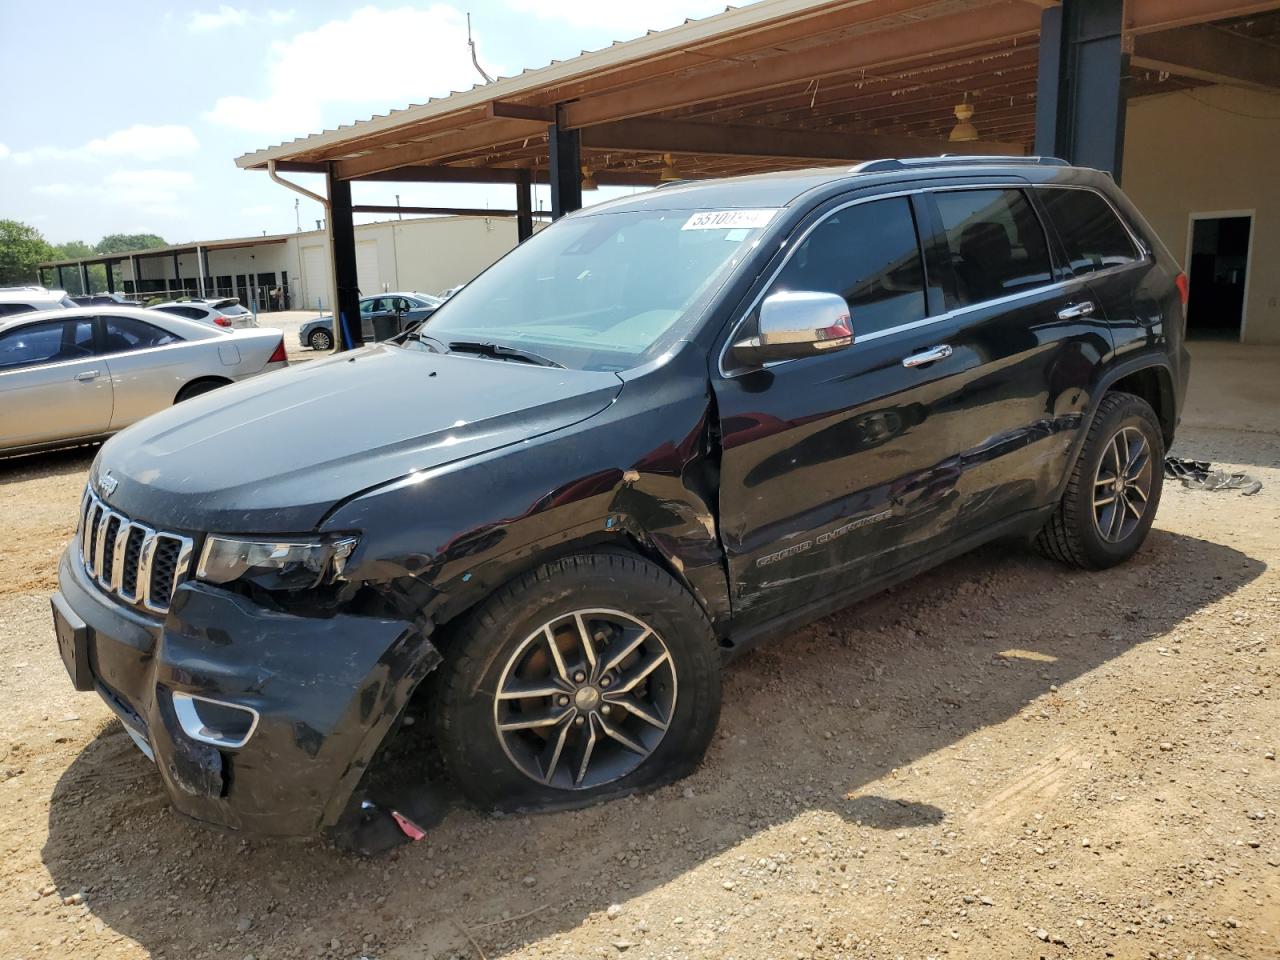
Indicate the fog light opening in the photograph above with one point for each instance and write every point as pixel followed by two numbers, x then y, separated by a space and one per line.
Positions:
pixel 214 722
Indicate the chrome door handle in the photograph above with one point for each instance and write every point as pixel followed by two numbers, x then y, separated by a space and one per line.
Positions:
pixel 1075 311
pixel 87 375
pixel 932 355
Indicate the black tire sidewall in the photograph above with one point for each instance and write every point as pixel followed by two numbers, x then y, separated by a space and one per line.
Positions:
pixel 1129 411
pixel 466 682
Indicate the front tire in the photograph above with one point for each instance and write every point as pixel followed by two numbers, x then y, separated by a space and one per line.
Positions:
pixel 1114 491
pixel 591 677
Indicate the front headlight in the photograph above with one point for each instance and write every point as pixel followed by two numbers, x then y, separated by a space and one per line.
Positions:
pixel 274 564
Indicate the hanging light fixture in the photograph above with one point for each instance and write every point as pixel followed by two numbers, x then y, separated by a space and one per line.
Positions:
pixel 669 171
pixel 963 130
pixel 588 178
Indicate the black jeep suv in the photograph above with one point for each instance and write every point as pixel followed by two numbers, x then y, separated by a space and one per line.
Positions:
pixel 652 435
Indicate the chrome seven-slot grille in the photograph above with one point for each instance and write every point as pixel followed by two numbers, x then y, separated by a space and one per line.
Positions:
pixel 139 565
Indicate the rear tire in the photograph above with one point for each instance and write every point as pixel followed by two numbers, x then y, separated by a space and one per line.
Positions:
pixel 320 340
pixel 197 388
pixel 607 724
pixel 1114 490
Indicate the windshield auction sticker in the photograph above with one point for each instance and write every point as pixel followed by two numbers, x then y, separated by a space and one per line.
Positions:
pixel 728 220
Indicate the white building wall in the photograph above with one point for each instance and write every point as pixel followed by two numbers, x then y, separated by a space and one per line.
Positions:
pixel 427 254
pixel 1211 150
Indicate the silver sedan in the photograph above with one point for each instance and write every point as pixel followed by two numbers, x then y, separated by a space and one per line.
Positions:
pixel 71 376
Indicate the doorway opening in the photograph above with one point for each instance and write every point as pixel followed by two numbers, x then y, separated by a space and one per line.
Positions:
pixel 1218 269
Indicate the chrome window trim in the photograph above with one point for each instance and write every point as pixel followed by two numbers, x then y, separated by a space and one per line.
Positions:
pixel 732 373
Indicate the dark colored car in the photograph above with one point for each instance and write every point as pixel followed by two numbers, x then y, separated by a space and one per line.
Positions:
pixel 654 434
pixel 403 310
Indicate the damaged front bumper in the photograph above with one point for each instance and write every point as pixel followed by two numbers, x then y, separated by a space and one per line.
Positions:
pixel 257 720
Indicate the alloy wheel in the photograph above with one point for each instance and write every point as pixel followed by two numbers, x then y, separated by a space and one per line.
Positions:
pixel 1122 485
pixel 585 699
pixel 321 340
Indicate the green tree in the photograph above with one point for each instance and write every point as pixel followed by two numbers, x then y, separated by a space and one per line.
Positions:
pixel 72 250
pixel 21 248
pixel 123 242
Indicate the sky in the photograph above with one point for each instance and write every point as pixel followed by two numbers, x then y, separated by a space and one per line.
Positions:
pixel 127 117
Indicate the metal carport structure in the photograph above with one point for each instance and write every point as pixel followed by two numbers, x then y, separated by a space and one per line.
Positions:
pixel 785 83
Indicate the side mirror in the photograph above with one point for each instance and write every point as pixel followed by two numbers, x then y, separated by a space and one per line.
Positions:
pixel 795 324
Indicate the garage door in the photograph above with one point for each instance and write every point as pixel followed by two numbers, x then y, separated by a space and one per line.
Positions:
pixel 367 267
pixel 315 276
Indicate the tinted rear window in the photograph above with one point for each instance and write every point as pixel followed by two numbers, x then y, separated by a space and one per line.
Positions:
pixel 995 242
pixel 1091 232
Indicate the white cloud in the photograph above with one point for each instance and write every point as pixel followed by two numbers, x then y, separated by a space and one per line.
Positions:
pixel 225 16
pixel 625 20
pixel 150 179
pixel 302 80
pixel 151 190
pixel 138 142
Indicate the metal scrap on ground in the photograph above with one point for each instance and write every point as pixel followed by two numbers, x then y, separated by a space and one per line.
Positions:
pixel 1200 475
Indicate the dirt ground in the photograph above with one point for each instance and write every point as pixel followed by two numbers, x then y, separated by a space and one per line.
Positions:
pixel 1001 758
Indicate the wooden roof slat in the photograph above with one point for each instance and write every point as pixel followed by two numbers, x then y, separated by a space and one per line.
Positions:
pixel 1007 19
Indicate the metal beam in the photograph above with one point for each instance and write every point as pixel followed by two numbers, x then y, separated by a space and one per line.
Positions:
pixel 437 211
pixel 522 111
pixel 677 136
pixel 428 173
pixel 1080 112
pixel 524 206
pixel 1006 20
pixel 342 249
pixel 566 170
pixel 1208 53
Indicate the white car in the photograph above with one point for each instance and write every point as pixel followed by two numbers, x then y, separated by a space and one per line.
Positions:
pixel 219 311
pixel 15 300
pixel 75 375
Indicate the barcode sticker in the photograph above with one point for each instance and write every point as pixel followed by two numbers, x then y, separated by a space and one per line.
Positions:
pixel 728 220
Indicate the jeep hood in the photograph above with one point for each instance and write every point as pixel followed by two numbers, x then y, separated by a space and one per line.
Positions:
pixel 275 453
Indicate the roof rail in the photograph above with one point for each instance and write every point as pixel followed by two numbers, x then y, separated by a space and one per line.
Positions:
pixel 947 160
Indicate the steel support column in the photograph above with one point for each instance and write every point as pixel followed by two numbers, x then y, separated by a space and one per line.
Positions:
pixel 137 278
pixel 1080 95
pixel 524 205
pixel 84 278
pixel 177 273
pixel 342 249
pixel 62 284
pixel 111 276
pixel 566 170
pixel 200 271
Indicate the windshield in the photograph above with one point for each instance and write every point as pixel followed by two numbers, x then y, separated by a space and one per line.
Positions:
pixel 602 292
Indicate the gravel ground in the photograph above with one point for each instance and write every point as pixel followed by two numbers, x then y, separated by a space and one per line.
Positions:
pixel 1001 758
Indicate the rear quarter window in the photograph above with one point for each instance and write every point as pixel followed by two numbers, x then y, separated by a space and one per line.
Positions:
pixel 1091 233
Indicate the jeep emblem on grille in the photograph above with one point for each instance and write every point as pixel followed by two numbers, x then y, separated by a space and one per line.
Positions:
pixel 108 483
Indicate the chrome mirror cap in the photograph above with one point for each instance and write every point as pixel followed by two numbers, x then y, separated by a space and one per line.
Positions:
pixel 797 323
